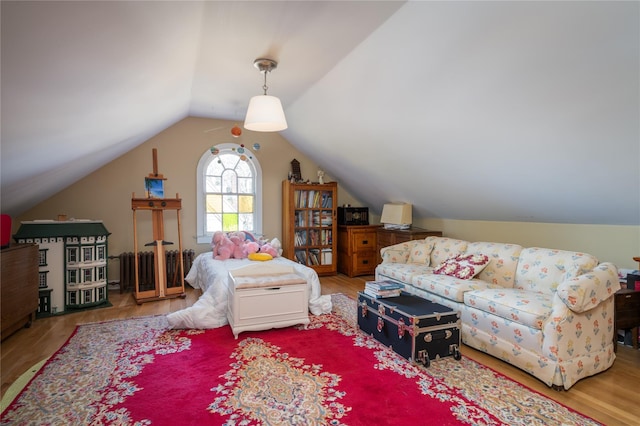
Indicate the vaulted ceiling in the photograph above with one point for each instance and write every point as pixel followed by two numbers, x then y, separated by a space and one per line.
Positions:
pixel 499 111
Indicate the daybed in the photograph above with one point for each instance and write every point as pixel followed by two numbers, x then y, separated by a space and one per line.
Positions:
pixel 212 277
pixel 548 312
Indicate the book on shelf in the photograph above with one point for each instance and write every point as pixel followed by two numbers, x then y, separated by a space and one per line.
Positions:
pixel 327 257
pixel 382 289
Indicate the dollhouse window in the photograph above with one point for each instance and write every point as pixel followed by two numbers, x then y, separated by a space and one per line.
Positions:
pixel 87 254
pixel 42 257
pixel 72 255
pixel 229 187
pixel 101 253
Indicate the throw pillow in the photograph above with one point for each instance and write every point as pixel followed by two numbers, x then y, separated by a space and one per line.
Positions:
pixel 465 266
pixel 420 253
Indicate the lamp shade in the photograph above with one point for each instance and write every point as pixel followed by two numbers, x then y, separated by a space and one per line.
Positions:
pixel 396 215
pixel 265 114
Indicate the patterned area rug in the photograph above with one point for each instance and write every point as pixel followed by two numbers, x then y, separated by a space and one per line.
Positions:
pixel 138 372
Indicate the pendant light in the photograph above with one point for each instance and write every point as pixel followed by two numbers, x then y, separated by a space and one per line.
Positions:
pixel 265 113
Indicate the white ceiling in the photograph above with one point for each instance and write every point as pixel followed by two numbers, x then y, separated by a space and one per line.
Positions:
pixel 507 111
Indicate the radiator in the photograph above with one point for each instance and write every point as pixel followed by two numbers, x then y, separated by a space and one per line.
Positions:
pixel 146 270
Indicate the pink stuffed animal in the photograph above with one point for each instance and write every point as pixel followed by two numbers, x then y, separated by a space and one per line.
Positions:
pixel 268 248
pixel 251 247
pixel 222 246
pixel 238 238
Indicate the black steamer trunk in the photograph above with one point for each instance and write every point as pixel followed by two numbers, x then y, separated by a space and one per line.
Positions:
pixel 415 328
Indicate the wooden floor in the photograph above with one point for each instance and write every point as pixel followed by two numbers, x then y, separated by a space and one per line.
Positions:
pixel 612 397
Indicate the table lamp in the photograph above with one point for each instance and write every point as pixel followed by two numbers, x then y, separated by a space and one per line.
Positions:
pixel 396 216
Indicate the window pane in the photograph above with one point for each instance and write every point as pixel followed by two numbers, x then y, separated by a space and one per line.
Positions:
pixel 245 185
pixel 229 161
pixel 214 223
pixel 215 168
pixel 245 204
pixel 214 203
pixel 246 222
pixel 229 182
pixel 230 222
pixel 243 169
pixel 213 184
pixel 230 204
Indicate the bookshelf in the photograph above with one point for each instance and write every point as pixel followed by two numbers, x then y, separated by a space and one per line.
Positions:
pixel 309 225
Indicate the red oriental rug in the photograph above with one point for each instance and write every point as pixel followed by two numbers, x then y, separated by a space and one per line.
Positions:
pixel 137 372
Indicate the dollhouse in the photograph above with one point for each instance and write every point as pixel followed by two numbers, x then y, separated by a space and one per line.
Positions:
pixel 72 263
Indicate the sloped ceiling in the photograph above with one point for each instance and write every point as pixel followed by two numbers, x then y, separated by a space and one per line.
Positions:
pixel 505 111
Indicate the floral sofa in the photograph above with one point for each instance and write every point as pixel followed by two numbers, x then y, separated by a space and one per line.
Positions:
pixel 548 312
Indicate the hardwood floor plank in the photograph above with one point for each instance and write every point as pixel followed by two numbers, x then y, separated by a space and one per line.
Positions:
pixel 609 397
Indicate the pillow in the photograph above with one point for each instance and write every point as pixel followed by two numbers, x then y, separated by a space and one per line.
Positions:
pixel 464 266
pixel 420 253
pixel 392 255
pixel 260 256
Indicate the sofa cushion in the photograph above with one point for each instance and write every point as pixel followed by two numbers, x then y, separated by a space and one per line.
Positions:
pixel 464 266
pixel 451 288
pixel 398 253
pixel 501 270
pixel 403 272
pixel 420 252
pixel 524 307
pixel 542 270
pixel 445 248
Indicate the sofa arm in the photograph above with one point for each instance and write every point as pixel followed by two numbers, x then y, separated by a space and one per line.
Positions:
pixel 397 253
pixel 586 291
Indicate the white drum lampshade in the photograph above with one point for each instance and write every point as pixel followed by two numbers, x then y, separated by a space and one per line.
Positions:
pixel 265 114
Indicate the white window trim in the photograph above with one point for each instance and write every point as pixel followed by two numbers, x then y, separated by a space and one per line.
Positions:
pixel 203 164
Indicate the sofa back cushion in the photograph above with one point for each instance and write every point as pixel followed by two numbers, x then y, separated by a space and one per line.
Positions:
pixel 445 248
pixel 420 252
pixel 501 269
pixel 542 270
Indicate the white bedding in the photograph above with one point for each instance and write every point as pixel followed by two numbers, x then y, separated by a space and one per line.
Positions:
pixel 211 276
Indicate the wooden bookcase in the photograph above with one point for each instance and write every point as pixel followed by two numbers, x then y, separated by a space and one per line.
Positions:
pixel 309 225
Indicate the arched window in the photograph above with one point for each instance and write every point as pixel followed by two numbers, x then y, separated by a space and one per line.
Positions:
pixel 229 191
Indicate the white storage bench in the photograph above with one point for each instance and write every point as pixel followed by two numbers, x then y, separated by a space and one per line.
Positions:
pixel 265 296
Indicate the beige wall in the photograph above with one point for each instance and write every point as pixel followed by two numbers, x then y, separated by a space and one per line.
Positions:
pixel 617 244
pixel 106 195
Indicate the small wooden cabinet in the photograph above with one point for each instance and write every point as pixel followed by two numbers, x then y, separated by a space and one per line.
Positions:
pixel 309 225
pixel 627 313
pixel 19 287
pixel 389 237
pixel 357 249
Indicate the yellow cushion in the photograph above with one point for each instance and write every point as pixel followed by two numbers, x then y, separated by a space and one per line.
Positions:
pixel 260 256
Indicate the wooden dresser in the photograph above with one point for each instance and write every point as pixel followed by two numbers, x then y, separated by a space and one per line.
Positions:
pixel 357 249
pixel 18 287
pixel 389 237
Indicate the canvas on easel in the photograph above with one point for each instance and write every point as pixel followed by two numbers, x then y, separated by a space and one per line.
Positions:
pixel 154 188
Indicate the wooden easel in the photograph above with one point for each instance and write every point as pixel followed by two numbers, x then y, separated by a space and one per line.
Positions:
pixel 157 206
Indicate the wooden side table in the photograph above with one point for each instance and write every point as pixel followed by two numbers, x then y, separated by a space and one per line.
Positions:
pixel 389 237
pixel 357 249
pixel 627 314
